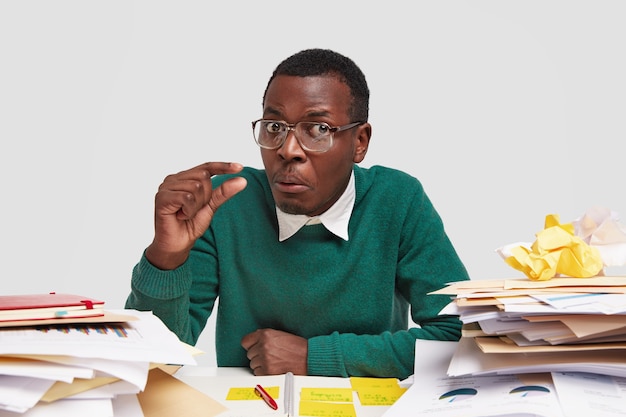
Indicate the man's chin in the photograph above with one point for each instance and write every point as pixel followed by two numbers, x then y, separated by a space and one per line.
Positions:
pixel 290 207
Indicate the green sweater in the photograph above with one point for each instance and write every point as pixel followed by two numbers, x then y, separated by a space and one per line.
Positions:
pixel 350 299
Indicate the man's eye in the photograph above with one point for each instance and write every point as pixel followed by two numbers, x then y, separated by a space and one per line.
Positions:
pixel 319 129
pixel 274 127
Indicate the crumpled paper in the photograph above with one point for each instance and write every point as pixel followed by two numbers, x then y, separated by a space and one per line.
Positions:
pixel 579 249
pixel 601 228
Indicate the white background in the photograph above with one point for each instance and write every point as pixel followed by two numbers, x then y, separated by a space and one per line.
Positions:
pixel 506 111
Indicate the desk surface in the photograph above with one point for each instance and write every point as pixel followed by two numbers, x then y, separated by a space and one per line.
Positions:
pixel 216 382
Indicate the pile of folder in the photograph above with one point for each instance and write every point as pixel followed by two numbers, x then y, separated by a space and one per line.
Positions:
pixel 65 355
pixel 515 326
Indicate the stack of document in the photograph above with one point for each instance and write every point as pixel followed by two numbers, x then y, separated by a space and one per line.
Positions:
pixel 96 365
pixel 517 326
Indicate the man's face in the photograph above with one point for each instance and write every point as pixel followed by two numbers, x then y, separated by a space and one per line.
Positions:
pixel 305 182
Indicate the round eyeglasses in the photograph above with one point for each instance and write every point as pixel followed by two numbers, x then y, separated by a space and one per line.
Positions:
pixel 312 136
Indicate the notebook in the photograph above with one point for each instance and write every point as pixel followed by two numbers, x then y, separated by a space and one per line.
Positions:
pixel 48 306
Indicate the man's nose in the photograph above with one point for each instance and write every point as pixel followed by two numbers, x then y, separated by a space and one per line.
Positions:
pixel 291 148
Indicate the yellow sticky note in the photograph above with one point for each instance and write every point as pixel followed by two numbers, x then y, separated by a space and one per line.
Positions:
pixel 377 391
pixel 326 394
pixel 248 393
pixel 358 382
pixel 326 409
pixel 380 396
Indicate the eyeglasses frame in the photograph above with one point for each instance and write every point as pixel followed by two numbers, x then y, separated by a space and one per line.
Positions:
pixel 292 127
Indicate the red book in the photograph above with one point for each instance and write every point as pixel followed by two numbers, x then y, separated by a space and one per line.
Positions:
pixel 48 306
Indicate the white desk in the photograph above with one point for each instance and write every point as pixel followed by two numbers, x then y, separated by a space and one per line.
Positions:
pixel 215 382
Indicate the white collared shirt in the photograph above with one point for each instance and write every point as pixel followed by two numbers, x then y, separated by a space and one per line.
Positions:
pixel 335 219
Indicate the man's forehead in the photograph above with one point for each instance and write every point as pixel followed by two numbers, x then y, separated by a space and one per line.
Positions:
pixel 315 92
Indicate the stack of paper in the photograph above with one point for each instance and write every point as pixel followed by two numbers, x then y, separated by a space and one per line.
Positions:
pixel 96 366
pixel 523 326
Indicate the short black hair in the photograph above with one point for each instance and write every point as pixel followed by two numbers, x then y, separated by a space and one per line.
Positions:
pixel 314 62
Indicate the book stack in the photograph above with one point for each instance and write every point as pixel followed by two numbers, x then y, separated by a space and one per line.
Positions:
pixel 16 309
pixel 65 355
pixel 515 326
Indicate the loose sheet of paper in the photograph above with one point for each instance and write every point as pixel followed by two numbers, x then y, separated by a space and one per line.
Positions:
pixel 479 396
pixel 590 394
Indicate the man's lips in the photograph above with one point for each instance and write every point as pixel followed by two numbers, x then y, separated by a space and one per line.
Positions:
pixel 290 184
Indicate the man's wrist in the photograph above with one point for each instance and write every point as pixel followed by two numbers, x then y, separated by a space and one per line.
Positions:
pixel 165 261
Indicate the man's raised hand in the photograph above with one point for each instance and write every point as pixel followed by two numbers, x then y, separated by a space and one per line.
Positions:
pixel 184 207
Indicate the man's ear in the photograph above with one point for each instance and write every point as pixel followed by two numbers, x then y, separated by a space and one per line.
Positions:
pixel 362 141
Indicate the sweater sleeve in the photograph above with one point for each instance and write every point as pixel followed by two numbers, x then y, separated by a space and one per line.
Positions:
pixel 427 261
pixel 385 355
pixel 169 295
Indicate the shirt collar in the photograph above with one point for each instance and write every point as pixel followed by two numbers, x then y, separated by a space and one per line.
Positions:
pixel 335 219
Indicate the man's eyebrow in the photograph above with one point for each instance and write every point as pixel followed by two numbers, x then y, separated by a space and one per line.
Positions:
pixel 320 113
pixel 270 111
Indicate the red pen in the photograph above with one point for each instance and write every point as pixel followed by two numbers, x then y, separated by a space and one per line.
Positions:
pixel 266 397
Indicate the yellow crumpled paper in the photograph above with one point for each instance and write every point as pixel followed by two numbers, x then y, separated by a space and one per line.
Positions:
pixel 557 251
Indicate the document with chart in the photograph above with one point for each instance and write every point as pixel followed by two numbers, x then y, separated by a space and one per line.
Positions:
pixel 480 396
